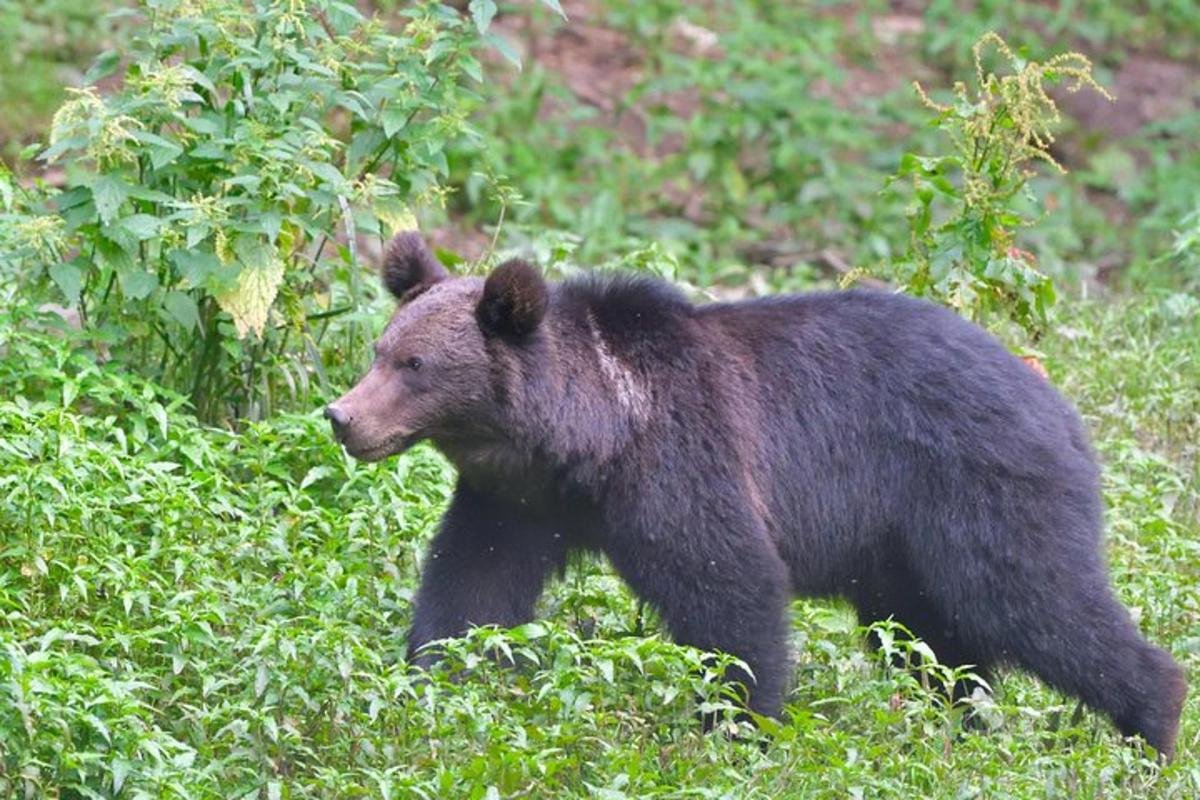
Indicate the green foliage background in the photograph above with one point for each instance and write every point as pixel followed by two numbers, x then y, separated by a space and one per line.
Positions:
pixel 201 596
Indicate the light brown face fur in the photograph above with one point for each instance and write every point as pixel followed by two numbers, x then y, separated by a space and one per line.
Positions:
pixel 429 375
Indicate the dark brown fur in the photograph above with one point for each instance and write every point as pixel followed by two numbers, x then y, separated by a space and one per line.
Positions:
pixel 409 267
pixel 514 299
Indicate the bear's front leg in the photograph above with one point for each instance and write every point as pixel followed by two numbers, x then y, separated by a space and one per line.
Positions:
pixel 719 587
pixel 486 566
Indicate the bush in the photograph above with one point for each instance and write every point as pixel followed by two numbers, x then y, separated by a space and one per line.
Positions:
pixel 966 207
pixel 196 232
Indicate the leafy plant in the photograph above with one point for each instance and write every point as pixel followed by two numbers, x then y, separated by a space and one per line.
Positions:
pixel 1186 250
pixel 967 207
pixel 196 233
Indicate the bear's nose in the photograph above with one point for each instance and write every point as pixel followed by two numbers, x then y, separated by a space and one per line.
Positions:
pixel 338 418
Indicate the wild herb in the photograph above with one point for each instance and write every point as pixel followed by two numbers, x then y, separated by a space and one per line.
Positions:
pixel 208 231
pixel 967 208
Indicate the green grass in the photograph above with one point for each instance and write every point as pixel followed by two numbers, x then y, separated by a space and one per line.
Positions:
pixel 188 612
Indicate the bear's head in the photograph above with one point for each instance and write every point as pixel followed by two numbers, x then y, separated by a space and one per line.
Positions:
pixel 434 368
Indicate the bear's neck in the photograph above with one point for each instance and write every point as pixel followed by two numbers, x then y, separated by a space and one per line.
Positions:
pixel 569 406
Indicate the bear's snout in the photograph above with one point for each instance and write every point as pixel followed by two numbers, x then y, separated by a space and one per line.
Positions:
pixel 339 419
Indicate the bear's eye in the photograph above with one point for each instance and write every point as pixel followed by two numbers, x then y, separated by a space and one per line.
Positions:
pixel 413 363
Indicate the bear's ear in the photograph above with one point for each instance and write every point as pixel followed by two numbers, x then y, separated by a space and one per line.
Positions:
pixel 514 299
pixel 408 264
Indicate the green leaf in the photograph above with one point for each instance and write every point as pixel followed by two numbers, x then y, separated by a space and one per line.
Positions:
pixel 195 266
pixel 109 192
pixel 69 279
pixel 209 150
pixel 472 67
pixel 140 226
pixel 482 11
pixel 249 182
pixel 315 474
pixel 138 284
pixel 271 222
pixel 326 172
pixel 943 185
pixel 120 771
pixel 63 145
pixel 504 47
pixel 183 309
pixel 205 126
pixel 104 65
pixel 393 120
pixel 833 621
pixel 260 679
pixel 197 233
pixel 113 255
pixel 161 151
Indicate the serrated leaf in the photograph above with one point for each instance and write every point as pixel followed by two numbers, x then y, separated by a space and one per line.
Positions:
pixel 554 6
pixel 199 77
pixel 164 153
pixel 197 233
pixel 138 284
pixel 834 622
pixel 315 474
pixel 140 226
pixel 109 193
pixel 69 279
pixel 183 309
pixel 195 266
pixel 504 47
pixel 482 12
pixel 205 126
pixel 211 150
pixel 51 153
pixel 104 65
pixel 160 414
pixel 249 301
pixel 472 67
pixel 271 221
pixel 326 172
pixel 393 120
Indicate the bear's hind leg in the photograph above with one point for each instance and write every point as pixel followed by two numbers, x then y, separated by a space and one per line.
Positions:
pixel 1081 641
pixel 889 597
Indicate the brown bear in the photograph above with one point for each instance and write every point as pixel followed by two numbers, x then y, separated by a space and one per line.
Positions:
pixel 727 457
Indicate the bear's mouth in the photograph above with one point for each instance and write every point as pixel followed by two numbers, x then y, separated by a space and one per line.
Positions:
pixel 392 446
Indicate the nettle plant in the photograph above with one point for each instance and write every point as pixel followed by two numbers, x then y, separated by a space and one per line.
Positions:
pixel 967 207
pixel 207 233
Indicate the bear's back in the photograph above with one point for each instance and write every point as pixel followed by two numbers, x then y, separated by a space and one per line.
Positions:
pixel 870 351
pixel 889 377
